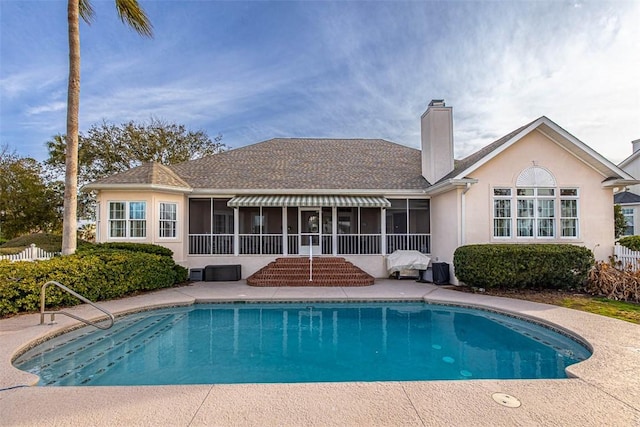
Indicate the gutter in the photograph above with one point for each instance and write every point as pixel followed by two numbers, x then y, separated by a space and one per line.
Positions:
pixel 448 185
pixel 130 187
pixel 310 191
pixel 619 182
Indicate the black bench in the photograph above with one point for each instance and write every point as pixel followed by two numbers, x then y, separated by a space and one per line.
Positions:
pixel 222 273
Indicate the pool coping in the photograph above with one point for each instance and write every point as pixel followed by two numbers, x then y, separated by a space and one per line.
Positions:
pixel 605 387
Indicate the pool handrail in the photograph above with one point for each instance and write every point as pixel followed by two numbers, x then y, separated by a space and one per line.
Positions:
pixel 73 316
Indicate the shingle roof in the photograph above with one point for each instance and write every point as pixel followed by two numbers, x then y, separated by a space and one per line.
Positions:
pixel 147 173
pixel 626 197
pixel 463 164
pixel 302 163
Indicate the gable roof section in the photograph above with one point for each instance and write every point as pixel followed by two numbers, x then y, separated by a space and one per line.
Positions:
pixel 472 159
pixel 147 175
pixel 626 197
pixel 623 164
pixel 612 175
pixel 291 164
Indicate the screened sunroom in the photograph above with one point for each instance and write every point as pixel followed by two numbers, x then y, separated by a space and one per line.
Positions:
pixel 300 225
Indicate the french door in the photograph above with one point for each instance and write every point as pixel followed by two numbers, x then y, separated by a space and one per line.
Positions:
pixel 310 221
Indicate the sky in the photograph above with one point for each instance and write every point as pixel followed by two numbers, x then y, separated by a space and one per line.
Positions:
pixel 255 70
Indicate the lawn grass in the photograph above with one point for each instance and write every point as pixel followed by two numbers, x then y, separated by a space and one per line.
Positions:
pixel 627 311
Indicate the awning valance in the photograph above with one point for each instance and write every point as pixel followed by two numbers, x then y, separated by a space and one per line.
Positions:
pixel 309 201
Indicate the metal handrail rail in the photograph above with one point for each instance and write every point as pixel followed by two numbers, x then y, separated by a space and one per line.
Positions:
pixel 73 316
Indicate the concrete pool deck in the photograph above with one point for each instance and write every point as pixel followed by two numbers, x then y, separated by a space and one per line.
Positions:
pixel 605 389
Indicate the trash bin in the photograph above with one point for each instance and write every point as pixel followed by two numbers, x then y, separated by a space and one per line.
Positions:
pixel 440 273
pixel 196 274
pixel 222 273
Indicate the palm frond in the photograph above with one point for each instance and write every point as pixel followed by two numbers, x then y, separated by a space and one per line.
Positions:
pixel 131 13
pixel 86 11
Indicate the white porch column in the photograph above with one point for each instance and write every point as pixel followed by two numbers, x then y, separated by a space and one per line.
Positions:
pixel 334 230
pixel 236 231
pixel 383 230
pixel 285 232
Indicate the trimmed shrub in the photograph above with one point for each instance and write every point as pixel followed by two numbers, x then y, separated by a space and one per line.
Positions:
pixel 97 275
pixel 182 273
pixel 526 266
pixel 631 242
pixel 132 247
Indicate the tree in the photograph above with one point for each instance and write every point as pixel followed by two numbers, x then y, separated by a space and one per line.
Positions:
pixel 620 222
pixel 27 203
pixel 130 13
pixel 107 149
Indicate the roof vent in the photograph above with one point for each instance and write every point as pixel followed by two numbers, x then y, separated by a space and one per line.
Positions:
pixel 437 103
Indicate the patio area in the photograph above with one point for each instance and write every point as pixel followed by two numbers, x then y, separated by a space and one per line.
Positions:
pixel 605 389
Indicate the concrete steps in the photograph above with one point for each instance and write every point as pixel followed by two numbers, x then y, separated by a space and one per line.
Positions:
pixel 294 271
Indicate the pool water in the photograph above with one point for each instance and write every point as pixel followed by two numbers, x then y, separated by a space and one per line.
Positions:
pixel 307 342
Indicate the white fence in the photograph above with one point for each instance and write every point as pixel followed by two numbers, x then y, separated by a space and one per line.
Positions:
pixel 627 257
pixel 31 253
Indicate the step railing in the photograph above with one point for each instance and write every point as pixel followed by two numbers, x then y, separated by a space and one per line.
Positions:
pixel 66 313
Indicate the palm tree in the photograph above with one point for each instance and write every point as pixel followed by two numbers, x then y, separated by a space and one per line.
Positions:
pixel 131 14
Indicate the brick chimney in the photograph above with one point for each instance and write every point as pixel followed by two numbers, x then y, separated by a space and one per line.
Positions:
pixel 436 131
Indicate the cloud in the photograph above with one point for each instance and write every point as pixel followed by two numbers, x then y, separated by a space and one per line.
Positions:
pixel 580 76
pixel 46 108
pixel 24 83
pixel 498 70
pixel 351 69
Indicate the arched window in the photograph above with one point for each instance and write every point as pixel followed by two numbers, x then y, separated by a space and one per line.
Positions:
pixel 535 176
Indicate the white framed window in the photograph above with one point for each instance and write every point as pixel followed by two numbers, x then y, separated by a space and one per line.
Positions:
pixel 98 223
pixel 569 212
pixel 536 213
pixel 546 212
pixel 502 216
pixel 629 217
pixel 168 225
pixel 127 219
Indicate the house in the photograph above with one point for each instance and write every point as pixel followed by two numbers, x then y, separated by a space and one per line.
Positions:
pixel 629 197
pixel 362 199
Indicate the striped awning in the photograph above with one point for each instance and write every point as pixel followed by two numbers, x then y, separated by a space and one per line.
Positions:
pixel 310 201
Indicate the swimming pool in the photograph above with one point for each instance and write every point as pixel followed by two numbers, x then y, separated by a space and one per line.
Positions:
pixel 306 342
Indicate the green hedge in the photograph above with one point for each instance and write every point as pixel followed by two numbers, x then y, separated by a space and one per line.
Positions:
pixel 10 251
pixel 631 242
pixel 99 275
pixel 132 247
pixel 46 241
pixel 531 266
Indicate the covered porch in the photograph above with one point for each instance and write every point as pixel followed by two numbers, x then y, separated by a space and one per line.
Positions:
pixel 303 224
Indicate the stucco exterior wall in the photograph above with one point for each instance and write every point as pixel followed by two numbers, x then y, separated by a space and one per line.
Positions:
pixel 595 206
pixel 445 227
pixel 153 200
pixel 375 265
